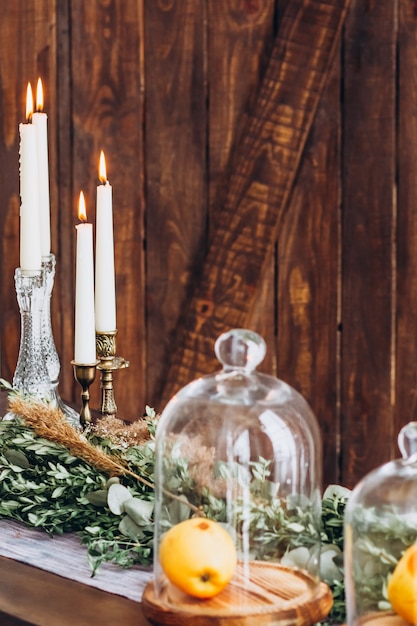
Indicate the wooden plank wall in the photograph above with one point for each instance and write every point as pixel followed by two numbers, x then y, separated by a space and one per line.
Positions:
pixel 163 87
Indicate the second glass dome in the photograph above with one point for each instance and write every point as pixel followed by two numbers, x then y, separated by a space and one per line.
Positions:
pixel 381 541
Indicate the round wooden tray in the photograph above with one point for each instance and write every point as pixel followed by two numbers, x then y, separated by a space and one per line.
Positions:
pixel 382 619
pixel 273 594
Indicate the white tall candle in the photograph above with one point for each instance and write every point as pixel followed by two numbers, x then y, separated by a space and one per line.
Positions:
pixel 85 336
pixel 30 248
pixel 105 295
pixel 40 121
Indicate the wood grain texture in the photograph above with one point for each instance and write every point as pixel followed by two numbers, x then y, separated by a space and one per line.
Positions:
pixel 45 599
pixel 173 91
pixel 240 39
pixel 108 107
pixel 259 185
pixel 176 162
pixel 308 276
pixel 406 270
pixel 60 156
pixel 367 256
pixel 264 593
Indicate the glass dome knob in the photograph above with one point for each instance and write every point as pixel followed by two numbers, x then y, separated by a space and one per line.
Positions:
pixel 240 349
pixel 407 440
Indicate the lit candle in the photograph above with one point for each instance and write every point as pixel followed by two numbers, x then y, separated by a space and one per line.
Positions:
pixel 85 336
pixel 30 247
pixel 40 121
pixel 105 296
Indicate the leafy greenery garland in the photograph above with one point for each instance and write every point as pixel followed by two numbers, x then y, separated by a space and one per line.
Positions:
pixel 44 485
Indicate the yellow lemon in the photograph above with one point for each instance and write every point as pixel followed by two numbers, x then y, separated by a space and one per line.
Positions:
pixel 198 556
pixel 402 586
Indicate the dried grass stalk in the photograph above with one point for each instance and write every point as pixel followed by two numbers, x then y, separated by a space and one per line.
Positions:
pixel 49 423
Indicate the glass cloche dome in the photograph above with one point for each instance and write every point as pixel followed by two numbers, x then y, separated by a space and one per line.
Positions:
pixel 243 449
pixel 381 542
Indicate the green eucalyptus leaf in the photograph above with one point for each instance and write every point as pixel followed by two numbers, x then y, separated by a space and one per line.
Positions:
pixel 34 519
pixel 98 498
pixel 336 491
pixel 140 511
pixel 178 512
pixel 129 528
pixel 116 498
pixel 295 527
pixel 329 568
pixel 150 412
pixel 16 457
pixel 299 557
pixel 9 505
pixel 93 530
pixel 114 480
pixel 58 491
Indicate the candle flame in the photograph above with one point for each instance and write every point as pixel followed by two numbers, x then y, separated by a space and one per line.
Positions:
pixel 102 174
pixel 29 102
pixel 82 211
pixel 39 96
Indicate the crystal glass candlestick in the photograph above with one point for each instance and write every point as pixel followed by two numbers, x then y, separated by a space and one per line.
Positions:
pixel 31 375
pixel 50 353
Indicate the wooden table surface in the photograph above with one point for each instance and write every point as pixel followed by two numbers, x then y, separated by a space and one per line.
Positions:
pixel 32 596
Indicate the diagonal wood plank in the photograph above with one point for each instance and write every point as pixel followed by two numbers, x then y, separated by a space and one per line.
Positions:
pixel 260 185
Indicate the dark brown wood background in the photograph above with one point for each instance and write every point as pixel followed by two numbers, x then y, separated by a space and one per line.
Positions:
pixel 165 87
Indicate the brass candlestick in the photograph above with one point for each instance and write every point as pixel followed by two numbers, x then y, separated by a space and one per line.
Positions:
pixel 85 375
pixel 108 363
